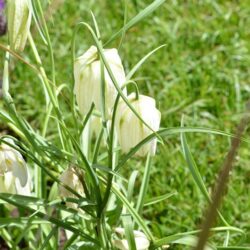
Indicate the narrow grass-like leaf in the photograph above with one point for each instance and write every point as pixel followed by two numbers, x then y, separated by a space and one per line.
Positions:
pixel 47 239
pixel 124 23
pixel 144 185
pixel 139 17
pixel 164 132
pixel 20 221
pixel 233 248
pixel 57 222
pixel 17 56
pixel 139 64
pixel 191 241
pixel 131 185
pixel 171 238
pixel 108 170
pixel 195 172
pixel 158 199
pixel 138 219
pixel 70 241
pixel 36 19
pixel 129 234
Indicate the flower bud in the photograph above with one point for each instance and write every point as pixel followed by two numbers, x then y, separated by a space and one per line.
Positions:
pixel 14 174
pixel 70 178
pixel 87 74
pixel 141 241
pixel 131 130
pixel 19 20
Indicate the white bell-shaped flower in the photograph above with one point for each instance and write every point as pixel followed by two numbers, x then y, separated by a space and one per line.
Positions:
pixel 14 173
pixel 87 74
pixel 131 130
pixel 70 178
pixel 141 241
pixel 12 161
pixel 19 20
pixel 10 184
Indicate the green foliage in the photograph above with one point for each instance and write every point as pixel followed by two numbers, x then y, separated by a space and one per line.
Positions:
pixel 193 57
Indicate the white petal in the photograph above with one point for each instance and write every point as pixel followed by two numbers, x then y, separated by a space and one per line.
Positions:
pixel 141 241
pixel 130 128
pixel 20 171
pixel 8 183
pixel 24 190
pixel 83 75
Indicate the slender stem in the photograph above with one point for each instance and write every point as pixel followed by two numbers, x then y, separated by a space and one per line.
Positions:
pixel 144 186
pixel 6 75
pixel 111 142
pixel 43 73
pixel 49 91
pixel 101 233
pixel 49 45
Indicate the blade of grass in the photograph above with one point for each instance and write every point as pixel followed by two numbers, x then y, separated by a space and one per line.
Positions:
pixel 59 223
pixel 144 185
pixel 158 199
pixel 135 20
pixel 131 185
pixel 138 219
pixel 139 64
pixel 174 237
pixel 129 234
pixel 164 132
pixel 196 174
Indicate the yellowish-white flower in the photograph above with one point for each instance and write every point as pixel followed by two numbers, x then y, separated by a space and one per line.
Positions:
pixel 19 20
pixel 131 130
pixel 87 74
pixel 141 241
pixel 10 184
pixel 70 178
pixel 12 161
pixel 14 174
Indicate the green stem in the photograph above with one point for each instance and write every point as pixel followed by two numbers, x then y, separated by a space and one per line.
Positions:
pixel 100 234
pixel 144 186
pixel 50 92
pixel 43 73
pixel 49 45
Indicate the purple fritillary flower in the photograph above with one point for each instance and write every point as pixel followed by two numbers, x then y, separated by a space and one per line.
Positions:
pixel 2 5
pixel 2 18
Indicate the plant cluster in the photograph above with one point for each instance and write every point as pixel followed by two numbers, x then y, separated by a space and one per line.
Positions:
pixel 72 189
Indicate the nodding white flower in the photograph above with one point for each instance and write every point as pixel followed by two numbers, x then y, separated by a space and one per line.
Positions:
pixel 10 184
pixel 87 74
pixel 131 130
pixel 141 241
pixel 12 161
pixel 14 174
pixel 70 178
pixel 19 20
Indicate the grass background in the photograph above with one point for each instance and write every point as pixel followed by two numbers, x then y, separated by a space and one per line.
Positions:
pixel 203 73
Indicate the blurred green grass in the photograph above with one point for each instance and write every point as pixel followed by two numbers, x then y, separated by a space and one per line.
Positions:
pixel 203 73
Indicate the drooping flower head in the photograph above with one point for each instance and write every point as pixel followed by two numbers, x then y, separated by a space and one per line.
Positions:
pixel 14 174
pixel 131 130
pixel 70 178
pixel 19 20
pixel 87 74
